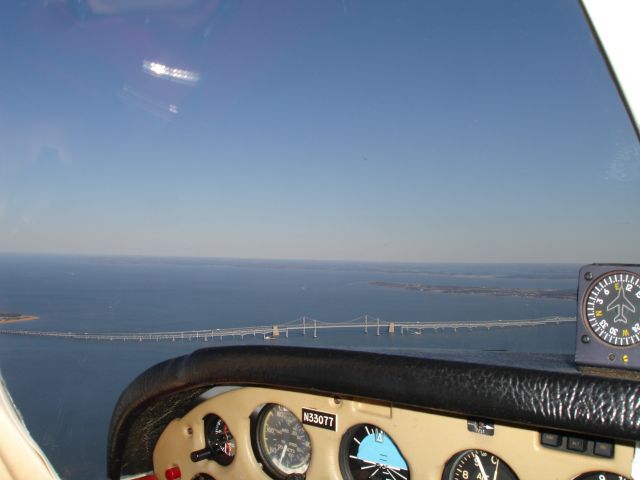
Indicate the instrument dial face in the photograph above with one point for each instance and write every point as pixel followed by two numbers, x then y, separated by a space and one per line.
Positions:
pixel 477 465
pixel 219 440
pixel 283 442
pixel 601 476
pixel 612 308
pixel 367 452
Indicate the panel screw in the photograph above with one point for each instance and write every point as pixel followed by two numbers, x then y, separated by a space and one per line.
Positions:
pixel 612 356
pixel 189 431
pixel 588 276
pixel 585 339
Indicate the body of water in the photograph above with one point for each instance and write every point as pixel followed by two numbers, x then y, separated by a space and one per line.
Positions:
pixel 66 389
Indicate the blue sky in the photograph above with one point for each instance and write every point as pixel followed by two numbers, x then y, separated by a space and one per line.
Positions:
pixel 357 130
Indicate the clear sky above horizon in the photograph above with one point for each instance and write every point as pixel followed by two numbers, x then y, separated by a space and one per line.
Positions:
pixel 357 130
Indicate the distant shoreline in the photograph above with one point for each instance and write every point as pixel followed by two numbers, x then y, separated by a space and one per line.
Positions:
pixel 490 291
pixel 16 317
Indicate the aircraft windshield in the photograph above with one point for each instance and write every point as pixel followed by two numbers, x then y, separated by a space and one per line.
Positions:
pixel 391 175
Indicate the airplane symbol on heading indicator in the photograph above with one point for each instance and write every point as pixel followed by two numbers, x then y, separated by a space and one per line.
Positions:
pixel 620 303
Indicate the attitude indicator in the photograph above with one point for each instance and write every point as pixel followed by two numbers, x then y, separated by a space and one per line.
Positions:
pixel 367 452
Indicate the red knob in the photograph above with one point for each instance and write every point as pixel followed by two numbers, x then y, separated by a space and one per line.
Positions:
pixel 173 473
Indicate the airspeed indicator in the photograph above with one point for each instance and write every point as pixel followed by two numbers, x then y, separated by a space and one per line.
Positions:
pixel 283 445
pixel 612 308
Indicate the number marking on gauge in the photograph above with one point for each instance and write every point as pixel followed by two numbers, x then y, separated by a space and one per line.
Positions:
pixel 316 418
pixel 612 308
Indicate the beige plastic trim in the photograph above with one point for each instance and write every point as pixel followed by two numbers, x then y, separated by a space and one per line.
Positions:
pixel 20 456
pixel 427 440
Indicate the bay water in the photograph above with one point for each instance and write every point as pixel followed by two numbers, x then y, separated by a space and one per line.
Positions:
pixel 66 389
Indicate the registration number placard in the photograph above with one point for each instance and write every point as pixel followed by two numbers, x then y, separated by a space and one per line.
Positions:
pixel 316 418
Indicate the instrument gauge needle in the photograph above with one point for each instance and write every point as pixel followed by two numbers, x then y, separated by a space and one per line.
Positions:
pixel 284 450
pixel 484 474
pixel 495 474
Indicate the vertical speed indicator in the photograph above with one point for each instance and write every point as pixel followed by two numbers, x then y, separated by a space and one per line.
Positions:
pixel 612 308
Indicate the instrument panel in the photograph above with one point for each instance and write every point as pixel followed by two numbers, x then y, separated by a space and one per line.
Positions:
pixel 266 433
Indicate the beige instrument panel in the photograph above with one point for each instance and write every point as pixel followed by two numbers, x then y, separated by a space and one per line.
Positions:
pixel 426 440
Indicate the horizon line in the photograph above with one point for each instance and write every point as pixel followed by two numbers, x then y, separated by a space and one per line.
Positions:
pixel 282 259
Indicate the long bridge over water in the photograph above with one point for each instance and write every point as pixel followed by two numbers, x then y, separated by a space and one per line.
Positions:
pixel 299 326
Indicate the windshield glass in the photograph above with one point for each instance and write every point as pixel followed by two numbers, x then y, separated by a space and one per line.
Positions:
pixel 357 174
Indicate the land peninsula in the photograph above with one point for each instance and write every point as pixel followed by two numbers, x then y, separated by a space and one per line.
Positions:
pixel 557 294
pixel 6 317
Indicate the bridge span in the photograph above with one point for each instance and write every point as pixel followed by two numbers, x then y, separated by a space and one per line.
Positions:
pixel 299 326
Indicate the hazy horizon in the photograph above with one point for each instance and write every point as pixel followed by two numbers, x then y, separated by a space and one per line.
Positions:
pixel 279 259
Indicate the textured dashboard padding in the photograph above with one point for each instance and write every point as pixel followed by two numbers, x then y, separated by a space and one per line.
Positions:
pixel 546 394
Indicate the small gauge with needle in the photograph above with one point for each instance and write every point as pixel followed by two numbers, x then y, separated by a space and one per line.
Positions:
pixel 367 452
pixel 477 464
pixel 220 444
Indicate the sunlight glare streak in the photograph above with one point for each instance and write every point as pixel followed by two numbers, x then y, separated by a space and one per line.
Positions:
pixel 169 73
